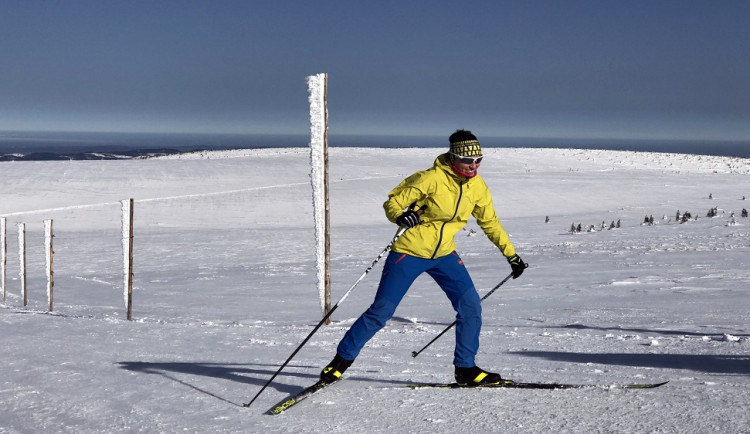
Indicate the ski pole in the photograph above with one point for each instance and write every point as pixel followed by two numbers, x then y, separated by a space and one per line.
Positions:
pixel 416 353
pixel 400 232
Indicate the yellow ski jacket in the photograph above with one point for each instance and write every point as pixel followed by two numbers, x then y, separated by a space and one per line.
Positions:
pixel 450 200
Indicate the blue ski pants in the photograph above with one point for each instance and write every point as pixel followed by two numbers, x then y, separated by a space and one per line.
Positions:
pixel 399 273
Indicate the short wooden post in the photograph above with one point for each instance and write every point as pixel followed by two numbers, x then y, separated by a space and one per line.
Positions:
pixel 127 244
pixel 3 256
pixel 49 253
pixel 22 260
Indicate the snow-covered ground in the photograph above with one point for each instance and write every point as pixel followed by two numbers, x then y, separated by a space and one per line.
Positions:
pixel 225 290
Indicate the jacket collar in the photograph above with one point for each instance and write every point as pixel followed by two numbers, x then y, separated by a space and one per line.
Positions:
pixel 443 163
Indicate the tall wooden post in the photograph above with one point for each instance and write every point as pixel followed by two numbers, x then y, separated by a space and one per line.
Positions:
pixel 318 90
pixel 327 205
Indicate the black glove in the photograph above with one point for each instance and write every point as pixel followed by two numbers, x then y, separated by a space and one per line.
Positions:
pixel 409 219
pixel 517 264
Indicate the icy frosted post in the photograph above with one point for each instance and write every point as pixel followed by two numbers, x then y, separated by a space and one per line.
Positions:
pixel 48 249
pixel 3 255
pixel 127 254
pixel 22 260
pixel 317 87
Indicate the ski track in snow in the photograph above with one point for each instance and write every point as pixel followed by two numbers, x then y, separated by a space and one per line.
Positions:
pixel 225 291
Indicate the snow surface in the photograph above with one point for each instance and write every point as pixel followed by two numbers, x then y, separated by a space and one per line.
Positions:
pixel 225 290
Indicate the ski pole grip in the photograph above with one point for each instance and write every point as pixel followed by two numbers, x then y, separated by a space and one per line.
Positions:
pixel 411 213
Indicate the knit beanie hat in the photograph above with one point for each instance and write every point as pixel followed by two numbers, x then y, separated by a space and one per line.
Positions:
pixel 464 143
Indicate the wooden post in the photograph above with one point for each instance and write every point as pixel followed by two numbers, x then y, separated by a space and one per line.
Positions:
pixel 127 252
pixel 130 263
pixel 318 97
pixel 22 260
pixel 3 255
pixel 48 235
pixel 327 205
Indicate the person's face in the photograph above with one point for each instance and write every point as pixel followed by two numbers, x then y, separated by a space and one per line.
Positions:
pixel 467 165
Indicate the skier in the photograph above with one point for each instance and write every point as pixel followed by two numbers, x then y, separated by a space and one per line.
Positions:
pixel 434 205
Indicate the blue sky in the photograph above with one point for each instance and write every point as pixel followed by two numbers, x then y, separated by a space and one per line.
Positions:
pixel 529 68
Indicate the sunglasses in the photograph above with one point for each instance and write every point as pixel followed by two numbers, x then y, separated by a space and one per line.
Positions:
pixel 467 160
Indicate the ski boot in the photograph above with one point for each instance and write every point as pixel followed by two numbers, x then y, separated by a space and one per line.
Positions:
pixel 476 376
pixel 333 371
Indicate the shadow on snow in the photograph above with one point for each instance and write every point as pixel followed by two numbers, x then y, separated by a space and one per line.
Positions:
pixel 237 372
pixel 642 330
pixel 709 363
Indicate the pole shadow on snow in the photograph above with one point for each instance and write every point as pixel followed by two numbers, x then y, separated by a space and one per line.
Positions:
pixel 238 372
pixel 717 335
pixel 708 363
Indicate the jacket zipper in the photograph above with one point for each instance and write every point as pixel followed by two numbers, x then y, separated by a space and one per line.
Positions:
pixel 455 212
